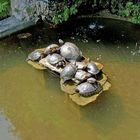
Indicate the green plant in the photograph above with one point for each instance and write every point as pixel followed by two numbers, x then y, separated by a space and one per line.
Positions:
pixel 131 11
pixel 68 10
pixel 4 6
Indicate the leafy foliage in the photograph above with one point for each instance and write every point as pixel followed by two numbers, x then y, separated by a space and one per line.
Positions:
pixel 4 6
pixel 131 11
pixel 68 10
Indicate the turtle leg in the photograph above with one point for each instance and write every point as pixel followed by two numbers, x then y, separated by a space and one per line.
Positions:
pixel 63 63
pixel 57 65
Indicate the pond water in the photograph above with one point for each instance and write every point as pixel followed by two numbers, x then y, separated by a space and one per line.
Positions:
pixel 32 105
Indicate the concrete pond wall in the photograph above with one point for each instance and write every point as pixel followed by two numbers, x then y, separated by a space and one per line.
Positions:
pixel 25 13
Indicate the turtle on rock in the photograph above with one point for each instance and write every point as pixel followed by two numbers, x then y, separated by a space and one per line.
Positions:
pixel 51 49
pixel 68 72
pixel 34 56
pixel 82 75
pixel 70 52
pixel 92 68
pixel 91 80
pixel 86 89
pixel 81 65
pixel 56 60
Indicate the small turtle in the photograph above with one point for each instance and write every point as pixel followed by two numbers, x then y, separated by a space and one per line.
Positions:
pixel 68 72
pixel 71 52
pixel 81 65
pixel 92 68
pixel 51 49
pixel 82 75
pixel 91 80
pixel 34 56
pixel 86 89
pixel 61 42
pixel 56 60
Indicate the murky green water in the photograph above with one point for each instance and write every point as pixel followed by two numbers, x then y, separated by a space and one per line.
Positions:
pixel 32 105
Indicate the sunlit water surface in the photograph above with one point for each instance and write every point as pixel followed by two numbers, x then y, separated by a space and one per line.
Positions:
pixel 32 105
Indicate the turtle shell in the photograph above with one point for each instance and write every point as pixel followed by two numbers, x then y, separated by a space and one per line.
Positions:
pixel 86 89
pixel 81 65
pixel 68 72
pixel 51 48
pixel 92 68
pixel 34 56
pixel 70 51
pixel 82 75
pixel 91 80
pixel 54 58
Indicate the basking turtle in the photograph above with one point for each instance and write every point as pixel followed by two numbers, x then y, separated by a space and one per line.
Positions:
pixel 34 56
pixel 82 75
pixel 92 68
pixel 51 49
pixel 91 80
pixel 81 65
pixel 56 60
pixel 86 89
pixel 68 72
pixel 61 42
pixel 71 52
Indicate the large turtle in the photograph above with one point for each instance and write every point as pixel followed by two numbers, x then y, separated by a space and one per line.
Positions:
pixel 68 72
pixel 56 60
pixel 51 49
pixel 86 89
pixel 34 56
pixel 92 68
pixel 70 51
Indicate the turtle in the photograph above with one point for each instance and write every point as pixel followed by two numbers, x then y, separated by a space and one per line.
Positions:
pixel 34 56
pixel 70 51
pixel 56 60
pixel 61 42
pixel 81 65
pixel 91 80
pixel 92 68
pixel 82 75
pixel 51 49
pixel 68 72
pixel 86 89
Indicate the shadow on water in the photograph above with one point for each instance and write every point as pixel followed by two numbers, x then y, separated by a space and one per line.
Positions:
pixel 51 80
